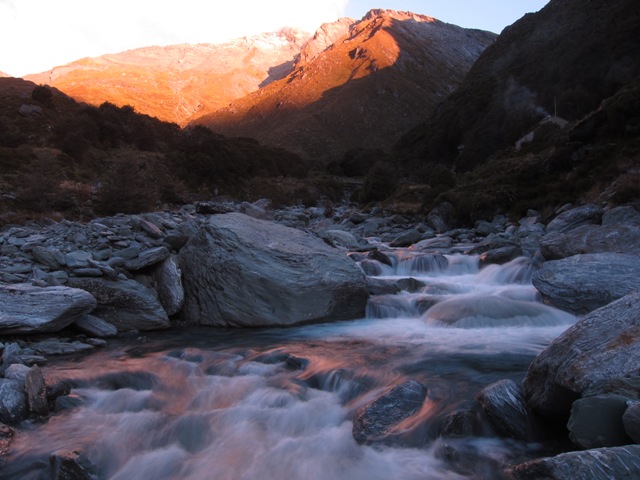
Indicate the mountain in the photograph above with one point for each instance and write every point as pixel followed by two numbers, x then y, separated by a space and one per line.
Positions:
pixel 174 83
pixel 564 60
pixel 366 89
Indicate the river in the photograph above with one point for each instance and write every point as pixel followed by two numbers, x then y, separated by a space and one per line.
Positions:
pixel 279 402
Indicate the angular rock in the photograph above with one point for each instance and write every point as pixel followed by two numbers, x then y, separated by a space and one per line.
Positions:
pixel 28 309
pixel 13 402
pixel 70 465
pixel 631 421
pixel 503 404
pixel 407 238
pixel 77 259
pixel 604 344
pixel 167 282
pixel 340 238
pixel 147 258
pixel 619 463
pixel 17 372
pixel 36 391
pixel 126 304
pixel 591 239
pixel 52 259
pixel 239 271
pixel 570 219
pixel 597 422
pixel 95 326
pixel 583 283
pixel 375 422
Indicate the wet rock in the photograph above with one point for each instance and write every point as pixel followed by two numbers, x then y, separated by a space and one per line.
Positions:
pixel 494 242
pixel 55 346
pixel 583 283
pixel 6 437
pixel 126 304
pixel 378 256
pixel 13 402
pixel 410 285
pixel 70 465
pixel 293 277
pixel 28 309
pixel 591 239
pixel 575 217
pixel 604 344
pixel 462 422
pixel 10 355
pixel 167 282
pixel 378 286
pixel 442 242
pixel 500 255
pixel 147 258
pixel 17 372
pixel 619 463
pixel 597 422
pixel 376 421
pixel 95 326
pixel 36 391
pixel 631 421
pixel 371 268
pixel 503 404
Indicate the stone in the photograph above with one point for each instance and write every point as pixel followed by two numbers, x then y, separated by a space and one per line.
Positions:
pixel 28 309
pixel 500 255
pixel 341 239
pixel 95 326
pixel 52 259
pixel 621 215
pixel 631 421
pixel 151 229
pixel 597 422
pixel 17 372
pixel 583 283
pixel 70 465
pixel 407 238
pixel 441 217
pixel 493 242
pixel 375 421
pixel 605 344
pixel 36 391
pixel 591 239
pixel 253 210
pixel 6 437
pixel 13 402
pixel 147 258
pixel 167 282
pixel 619 463
pixel 503 404
pixel 442 242
pixel 126 304
pixel 240 271
pixel 575 217
pixel 77 259
pixel 54 346
pixel 462 422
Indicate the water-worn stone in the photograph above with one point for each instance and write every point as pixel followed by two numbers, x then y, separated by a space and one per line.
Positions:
pixel 375 421
pixel 582 283
pixel 597 422
pixel 13 402
pixel 70 465
pixel 126 304
pixel 604 344
pixel 631 421
pixel 615 238
pixel 503 404
pixel 54 346
pixel 619 463
pixel 36 391
pixel 95 326
pixel 407 238
pixel 239 271
pixel 570 219
pixel 25 308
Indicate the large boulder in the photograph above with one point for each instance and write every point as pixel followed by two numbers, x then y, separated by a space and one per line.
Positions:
pixel 617 238
pixel 583 283
pixel 240 271
pixel 596 421
pixel 25 308
pixel 13 402
pixel 603 345
pixel 570 219
pixel 126 304
pixel 619 463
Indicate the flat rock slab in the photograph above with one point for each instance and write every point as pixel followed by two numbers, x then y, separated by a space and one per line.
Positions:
pixel 25 308
pixel 583 283
pixel 603 345
pixel 241 271
pixel 591 239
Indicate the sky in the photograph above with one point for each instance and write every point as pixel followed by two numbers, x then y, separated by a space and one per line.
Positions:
pixel 37 35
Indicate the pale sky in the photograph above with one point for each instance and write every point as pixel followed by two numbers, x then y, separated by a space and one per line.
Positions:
pixel 37 35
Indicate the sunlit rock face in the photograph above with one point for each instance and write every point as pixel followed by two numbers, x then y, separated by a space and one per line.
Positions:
pixel 240 271
pixel 384 75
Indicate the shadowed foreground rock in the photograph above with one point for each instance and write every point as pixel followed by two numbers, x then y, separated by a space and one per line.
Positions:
pixel 243 272
pixel 619 463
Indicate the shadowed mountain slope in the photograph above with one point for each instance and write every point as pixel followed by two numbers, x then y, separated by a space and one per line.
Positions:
pixel 373 84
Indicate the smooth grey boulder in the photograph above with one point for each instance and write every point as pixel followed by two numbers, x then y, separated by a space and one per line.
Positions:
pixel 615 238
pixel 605 344
pixel 503 404
pixel 617 463
pixel 167 282
pixel 631 421
pixel 570 219
pixel 375 421
pixel 95 326
pixel 583 283
pixel 13 402
pixel 25 308
pixel 239 271
pixel 126 304
pixel 597 422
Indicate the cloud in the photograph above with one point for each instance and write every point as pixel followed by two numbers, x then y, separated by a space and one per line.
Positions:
pixel 39 34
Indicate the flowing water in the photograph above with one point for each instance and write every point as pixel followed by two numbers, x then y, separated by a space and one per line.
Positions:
pixel 279 402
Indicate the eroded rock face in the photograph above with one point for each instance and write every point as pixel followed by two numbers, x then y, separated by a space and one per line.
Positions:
pixel 582 283
pixel 25 308
pixel 240 271
pixel 603 345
